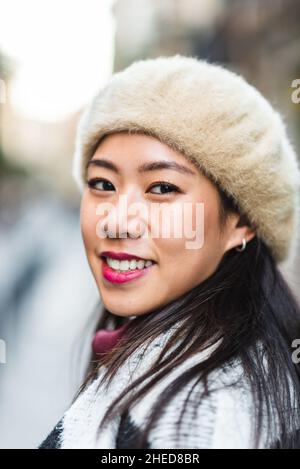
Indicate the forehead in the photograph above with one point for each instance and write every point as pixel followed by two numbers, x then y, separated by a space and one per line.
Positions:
pixel 132 149
pixel 133 154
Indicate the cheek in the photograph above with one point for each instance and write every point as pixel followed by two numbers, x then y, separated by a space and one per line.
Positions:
pixel 210 222
pixel 88 222
pixel 192 265
pixel 203 222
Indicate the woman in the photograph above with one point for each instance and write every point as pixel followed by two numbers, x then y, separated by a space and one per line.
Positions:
pixel 194 347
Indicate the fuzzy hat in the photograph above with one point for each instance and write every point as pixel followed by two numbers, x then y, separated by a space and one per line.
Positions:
pixel 217 120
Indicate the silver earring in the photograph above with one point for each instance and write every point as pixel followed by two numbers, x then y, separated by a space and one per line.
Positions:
pixel 243 246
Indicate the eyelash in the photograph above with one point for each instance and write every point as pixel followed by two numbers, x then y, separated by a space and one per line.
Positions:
pixel 92 182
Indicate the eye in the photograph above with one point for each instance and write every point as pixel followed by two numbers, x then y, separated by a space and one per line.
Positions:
pixel 167 187
pixel 96 184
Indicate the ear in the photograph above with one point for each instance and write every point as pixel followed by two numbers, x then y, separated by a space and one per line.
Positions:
pixel 239 227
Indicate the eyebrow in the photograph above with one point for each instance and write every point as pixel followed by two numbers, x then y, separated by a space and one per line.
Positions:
pixel 145 167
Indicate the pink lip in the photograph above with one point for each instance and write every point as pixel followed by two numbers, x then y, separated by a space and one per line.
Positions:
pixel 121 277
pixel 121 256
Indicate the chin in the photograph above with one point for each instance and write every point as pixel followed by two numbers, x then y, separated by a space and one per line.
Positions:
pixel 118 310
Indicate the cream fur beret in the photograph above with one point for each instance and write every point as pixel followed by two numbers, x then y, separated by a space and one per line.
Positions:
pixel 217 120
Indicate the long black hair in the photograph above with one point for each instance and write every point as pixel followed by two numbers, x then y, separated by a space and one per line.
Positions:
pixel 245 302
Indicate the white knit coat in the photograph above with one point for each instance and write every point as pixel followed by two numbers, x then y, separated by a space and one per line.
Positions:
pixel 223 419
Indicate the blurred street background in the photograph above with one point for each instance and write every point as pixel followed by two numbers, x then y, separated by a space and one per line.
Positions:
pixel 54 56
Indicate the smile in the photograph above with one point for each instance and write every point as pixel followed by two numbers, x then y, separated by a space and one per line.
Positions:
pixel 116 271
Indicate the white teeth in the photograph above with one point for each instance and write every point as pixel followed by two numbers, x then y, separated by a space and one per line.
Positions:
pixel 124 265
pixel 140 264
pixel 133 264
pixel 113 263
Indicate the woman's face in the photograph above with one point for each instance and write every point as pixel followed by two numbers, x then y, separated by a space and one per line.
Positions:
pixel 143 170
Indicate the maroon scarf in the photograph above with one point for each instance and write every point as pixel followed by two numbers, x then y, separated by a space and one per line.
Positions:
pixel 104 339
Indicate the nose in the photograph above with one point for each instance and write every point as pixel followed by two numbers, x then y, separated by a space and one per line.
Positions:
pixel 127 217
